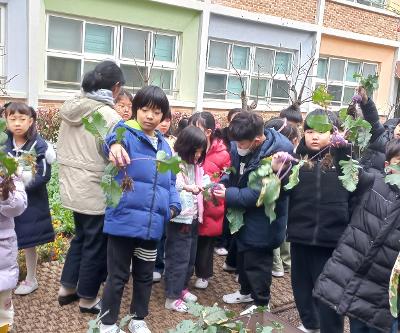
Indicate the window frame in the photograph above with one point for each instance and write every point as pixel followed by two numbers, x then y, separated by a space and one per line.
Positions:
pixel 249 74
pixel 115 56
pixel 3 52
pixel 344 83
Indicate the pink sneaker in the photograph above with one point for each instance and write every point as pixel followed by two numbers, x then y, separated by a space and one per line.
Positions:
pixel 187 296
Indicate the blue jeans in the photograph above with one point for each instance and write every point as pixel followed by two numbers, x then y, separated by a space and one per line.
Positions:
pixel 395 326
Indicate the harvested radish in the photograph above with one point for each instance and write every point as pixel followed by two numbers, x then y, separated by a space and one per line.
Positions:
pixel 356 99
pixel 338 140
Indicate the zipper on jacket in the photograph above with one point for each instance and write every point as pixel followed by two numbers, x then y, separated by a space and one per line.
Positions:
pixel 152 203
pixel 317 215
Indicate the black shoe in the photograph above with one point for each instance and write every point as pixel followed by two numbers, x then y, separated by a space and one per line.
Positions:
pixel 95 309
pixel 65 300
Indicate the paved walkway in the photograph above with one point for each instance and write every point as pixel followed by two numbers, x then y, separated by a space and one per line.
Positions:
pixel 40 312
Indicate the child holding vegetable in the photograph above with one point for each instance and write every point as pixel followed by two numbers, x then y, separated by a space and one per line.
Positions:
pixel 355 280
pixel 318 215
pixel 136 224
pixel 182 231
pixel 258 236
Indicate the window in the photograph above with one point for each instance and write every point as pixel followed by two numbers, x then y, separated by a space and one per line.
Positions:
pixel 75 47
pixel 3 78
pixel 372 3
pixel 337 74
pixel 264 72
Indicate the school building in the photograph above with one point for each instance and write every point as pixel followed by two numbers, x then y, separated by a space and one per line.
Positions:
pixel 196 48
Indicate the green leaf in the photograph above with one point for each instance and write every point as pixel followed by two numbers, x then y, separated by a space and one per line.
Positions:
pixel 235 218
pixel 273 189
pixel 393 179
pixel 350 173
pixel 10 164
pixel 3 138
pixel 358 131
pixel 169 164
pixel 112 190
pixel 120 133
pixel 319 123
pixel 294 176
pixel 185 326
pixel 213 315
pixel 3 125
pixel 111 170
pixel 96 125
pixel 321 96
pixel 343 114
pixel 263 329
pixel 195 309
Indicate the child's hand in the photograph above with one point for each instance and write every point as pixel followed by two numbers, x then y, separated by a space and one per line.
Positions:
pixel 220 191
pixel 281 161
pixel 363 94
pixel 118 155
pixel 193 189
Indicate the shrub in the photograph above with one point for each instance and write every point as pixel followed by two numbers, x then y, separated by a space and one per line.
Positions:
pixel 48 123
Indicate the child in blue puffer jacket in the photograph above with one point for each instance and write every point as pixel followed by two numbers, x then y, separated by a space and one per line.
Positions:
pixel 136 224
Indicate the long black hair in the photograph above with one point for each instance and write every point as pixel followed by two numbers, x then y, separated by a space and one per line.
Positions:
pixel 104 76
pixel 207 121
pixel 189 140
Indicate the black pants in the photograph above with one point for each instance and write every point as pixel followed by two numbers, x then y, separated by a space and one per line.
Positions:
pixel 120 253
pixel 255 274
pixel 85 266
pixel 160 263
pixel 307 264
pixel 231 258
pixel 225 239
pixel 205 257
pixel 180 257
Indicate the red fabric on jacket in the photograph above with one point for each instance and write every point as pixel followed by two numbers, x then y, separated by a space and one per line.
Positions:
pixel 216 160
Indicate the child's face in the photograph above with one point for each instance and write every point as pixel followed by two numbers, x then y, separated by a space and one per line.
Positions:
pixel 148 119
pixel 396 132
pixel 124 108
pixel 393 161
pixel 197 155
pixel 315 140
pixel 18 123
pixel 164 126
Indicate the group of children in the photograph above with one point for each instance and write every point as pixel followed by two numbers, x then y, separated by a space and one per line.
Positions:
pixel 342 247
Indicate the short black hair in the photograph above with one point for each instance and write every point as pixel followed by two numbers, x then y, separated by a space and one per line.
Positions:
pixel 232 112
pixel 22 108
pixel 104 76
pixel 189 140
pixel 245 126
pixel 292 113
pixel 392 149
pixel 333 118
pixel 151 97
pixel 281 125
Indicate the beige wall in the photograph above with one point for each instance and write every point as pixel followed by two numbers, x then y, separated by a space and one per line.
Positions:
pixel 383 55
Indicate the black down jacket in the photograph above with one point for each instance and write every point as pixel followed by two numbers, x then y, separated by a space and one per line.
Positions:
pixel 374 154
pixel 319 204
pixel 355 281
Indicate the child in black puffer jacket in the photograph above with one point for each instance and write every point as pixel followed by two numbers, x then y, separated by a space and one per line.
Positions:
pixel 318 215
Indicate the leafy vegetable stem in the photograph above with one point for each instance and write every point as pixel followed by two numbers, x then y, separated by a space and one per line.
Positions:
pixel 281 167
pixel 286 172
pixel 319 153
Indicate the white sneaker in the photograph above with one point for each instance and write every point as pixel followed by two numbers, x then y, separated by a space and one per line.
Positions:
pixel 26 287
pixel 278 274
pixel 201 283
pixel 237 298
pixel 221 251
pixel 177 305
pixel 303 329
pixel 187 296
pixel 237 278
pixel 156 276
pixel 138 326
pixel 228 268
pixel 110 329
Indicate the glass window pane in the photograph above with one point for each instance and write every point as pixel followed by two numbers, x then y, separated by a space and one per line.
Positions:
pixel 68 71
pixel 218 55
pixel 89 66
pixel 352 67
pixel 336 69
pixel 235 87
pixel 258 87
pixel 322 68
pixel 133 44
pixel 65 34
pixel 283 63
pixel 264 60
pixel 214 86
pixel 280 89
pixel 133 76
pixel 162 78
pixel 164 48
pixel 336 92
pixel 99 39
pixel 370 69
pixel 240 57
pixel 348 94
